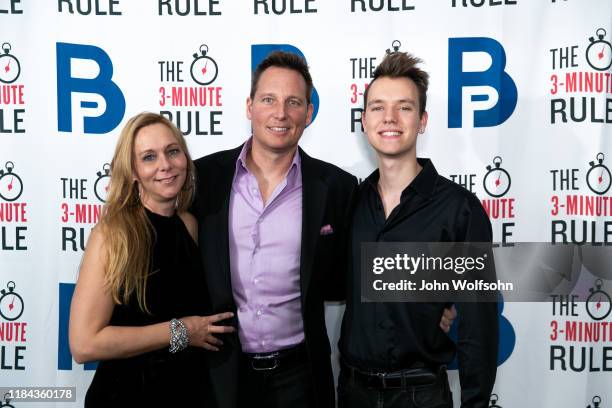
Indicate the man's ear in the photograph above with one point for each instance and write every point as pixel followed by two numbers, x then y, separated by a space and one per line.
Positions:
pixel 423 122
pixel 309 114
pixel 249 107
pixel 363 119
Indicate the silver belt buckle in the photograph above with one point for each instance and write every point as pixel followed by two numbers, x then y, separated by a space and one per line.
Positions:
pixel 383 378
pixel 264 358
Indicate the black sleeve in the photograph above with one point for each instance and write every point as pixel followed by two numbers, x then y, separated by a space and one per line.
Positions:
pixel 478 332
pixel 194 208
pixel 335 290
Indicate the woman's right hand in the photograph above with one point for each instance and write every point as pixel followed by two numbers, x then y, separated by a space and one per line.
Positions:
pixel 201 330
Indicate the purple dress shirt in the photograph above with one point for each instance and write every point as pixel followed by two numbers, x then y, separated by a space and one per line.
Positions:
pixel 264 246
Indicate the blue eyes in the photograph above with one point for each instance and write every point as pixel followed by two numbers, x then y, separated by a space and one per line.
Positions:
pixel 402 108
pixel 170 153
pixel 293 102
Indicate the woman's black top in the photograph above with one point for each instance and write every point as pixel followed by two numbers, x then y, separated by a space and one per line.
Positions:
pixel 175 288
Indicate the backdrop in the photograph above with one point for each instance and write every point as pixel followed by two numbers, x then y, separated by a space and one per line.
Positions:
pixel 520 106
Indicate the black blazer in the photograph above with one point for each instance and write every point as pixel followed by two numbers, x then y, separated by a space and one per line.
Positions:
pixel 326 194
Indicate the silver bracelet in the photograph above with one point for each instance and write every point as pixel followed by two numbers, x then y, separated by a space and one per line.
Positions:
pixel 179 340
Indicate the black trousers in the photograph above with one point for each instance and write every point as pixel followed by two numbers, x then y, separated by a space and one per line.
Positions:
pixel 352 394
pixel 287 386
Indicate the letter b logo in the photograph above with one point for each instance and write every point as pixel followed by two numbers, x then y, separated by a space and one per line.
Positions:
pixel 480 92
pixel 86 95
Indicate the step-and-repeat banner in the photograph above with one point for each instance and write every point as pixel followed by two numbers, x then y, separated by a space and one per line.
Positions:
pixel 520 107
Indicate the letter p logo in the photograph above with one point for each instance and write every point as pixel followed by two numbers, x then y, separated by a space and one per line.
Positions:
pixel 480 92
pixel 86 95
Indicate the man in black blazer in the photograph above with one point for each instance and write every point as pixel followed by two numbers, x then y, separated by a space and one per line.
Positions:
pixel 267 213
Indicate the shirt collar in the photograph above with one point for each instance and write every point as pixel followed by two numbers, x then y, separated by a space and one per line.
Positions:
pixel 423 184
pixel 295 169
pixel 241 160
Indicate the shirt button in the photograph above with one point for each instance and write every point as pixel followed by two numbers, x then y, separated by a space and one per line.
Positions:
pixel 259 312
pixel 254 191
pixel 256 281
pixel 263 342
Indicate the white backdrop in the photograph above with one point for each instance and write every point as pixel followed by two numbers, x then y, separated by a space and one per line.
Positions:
pixel 523 80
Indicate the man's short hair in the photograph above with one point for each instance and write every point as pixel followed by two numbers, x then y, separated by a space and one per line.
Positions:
pixel 281 59
pixel 402 65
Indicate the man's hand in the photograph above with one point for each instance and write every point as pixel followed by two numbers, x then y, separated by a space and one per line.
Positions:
pixel 448 317
pixel 203 331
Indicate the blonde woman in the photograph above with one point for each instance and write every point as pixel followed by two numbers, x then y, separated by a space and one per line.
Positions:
pixel 140 300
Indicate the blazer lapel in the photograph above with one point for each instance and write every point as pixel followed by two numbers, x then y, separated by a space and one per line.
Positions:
pixel 222 189
pixel 314 197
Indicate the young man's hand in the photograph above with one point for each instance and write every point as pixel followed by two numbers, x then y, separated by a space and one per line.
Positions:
pixel 448 317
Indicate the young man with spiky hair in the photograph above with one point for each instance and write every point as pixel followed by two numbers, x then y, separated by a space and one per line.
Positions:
pixel 395 354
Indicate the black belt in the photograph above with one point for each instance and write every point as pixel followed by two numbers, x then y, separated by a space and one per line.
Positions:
pixel 284 358
pixel 393 379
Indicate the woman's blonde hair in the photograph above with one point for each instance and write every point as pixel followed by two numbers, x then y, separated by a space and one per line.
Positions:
pixel 129 234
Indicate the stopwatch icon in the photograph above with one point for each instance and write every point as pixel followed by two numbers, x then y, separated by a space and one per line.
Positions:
pixel 9 65
pixel 599 52
pixel 494 399
pixel 598 177
pixel 204 69
pixel 497 180
pixel 102 184
pixel 11 185
pixel 395 45
pixel 596 401
pixel 11 303
pixel 598 304
pixel 5 402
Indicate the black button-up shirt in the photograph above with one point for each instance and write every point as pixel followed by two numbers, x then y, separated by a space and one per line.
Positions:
pixel 392 336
